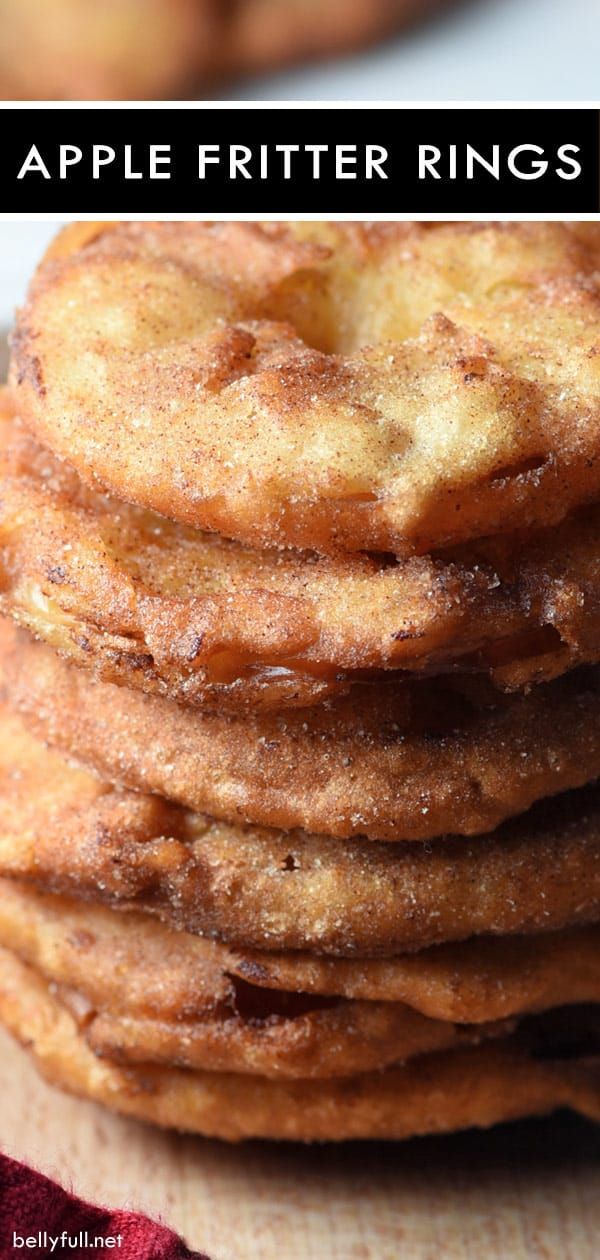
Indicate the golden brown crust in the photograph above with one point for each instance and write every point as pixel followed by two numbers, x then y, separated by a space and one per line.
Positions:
pixel 127 49
pixel 319 1045
pixel 482 979
pixel 204 621
pixel 403 763
pixel 67 831
pixel 433 1094
pixel 395 388
pixel 130 965
pixel 99 964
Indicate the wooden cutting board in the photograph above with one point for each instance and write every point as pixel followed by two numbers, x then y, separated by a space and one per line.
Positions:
pixel 525 1192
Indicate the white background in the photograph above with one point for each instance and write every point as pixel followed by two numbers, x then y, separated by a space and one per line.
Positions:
pixel 479 50
pixel 21 245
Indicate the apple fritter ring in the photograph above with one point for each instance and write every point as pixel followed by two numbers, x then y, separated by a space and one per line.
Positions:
pixel 404 762
pixel 208 622
pixel 233 1027
pixel 107 49
pixel 480 980
pixel 435 1093
pixel 264 33
pixel 67 831
pixel 138 984
pixel 393 388
pixel 322 1044
pixel 130 49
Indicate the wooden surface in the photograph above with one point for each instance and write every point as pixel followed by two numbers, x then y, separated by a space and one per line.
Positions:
pixel 526 1192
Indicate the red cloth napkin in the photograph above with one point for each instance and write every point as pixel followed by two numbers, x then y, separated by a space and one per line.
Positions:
pixel 32 1206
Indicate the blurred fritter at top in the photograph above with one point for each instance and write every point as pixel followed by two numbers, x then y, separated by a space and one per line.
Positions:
pixel 132 49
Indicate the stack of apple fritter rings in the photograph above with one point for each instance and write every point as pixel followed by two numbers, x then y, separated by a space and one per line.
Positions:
pixel 300 557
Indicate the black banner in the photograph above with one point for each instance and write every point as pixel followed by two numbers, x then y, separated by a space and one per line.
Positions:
pixel 384 161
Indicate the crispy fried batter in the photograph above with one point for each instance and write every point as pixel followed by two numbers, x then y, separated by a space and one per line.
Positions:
pixel 435 1093
pixel 482 979
pixel 394 388
pixel 205 621
pixel 127 49
pixel 101 961
pixel 67 831
pixel 393 763
pixel 132 963
pixel 346 1040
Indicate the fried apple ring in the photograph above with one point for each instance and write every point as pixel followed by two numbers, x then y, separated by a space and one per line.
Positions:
pixel 130 49
pixel 264 33
pixel 483 979
pixel 207 622
pixel 233 1026
pixel 435 1093
pixel 102 49
pixel 66 830
pixel 395 388
pixel 404 762
pixel 132 963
